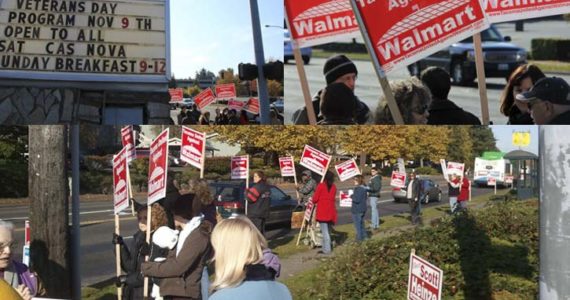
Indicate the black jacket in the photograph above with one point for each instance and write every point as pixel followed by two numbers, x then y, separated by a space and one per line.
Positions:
pixel 516 117
pixel 562 119
pixel 259 200
pixel 300 116
pixel 445 112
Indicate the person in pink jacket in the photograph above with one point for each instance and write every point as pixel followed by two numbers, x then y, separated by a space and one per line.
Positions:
pixel 324 198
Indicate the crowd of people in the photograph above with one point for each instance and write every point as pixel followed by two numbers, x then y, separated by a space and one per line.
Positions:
pixel 529 97
pixel 226 116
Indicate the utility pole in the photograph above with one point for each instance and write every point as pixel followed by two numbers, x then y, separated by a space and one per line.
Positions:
pixel 49 209
pixel 260 61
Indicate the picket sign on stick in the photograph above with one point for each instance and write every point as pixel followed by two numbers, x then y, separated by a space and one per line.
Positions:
pixel 118 256
pixel 302 77
pixel 326 170
pixel 482 81
pixel 394 109
pixel 247 183
pixel 145 283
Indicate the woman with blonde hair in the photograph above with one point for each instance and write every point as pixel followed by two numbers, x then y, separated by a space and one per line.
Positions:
pixel 239 262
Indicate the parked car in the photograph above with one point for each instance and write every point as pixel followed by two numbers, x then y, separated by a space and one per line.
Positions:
pixel 230 199
pixel 429 192
pixel 501 58
pixel 306 53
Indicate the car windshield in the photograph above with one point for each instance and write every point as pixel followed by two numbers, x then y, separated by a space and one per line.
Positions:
pixel 489 35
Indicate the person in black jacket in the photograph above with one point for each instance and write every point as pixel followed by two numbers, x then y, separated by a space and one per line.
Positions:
pixel 443 111
pixel 337 105
pixel 135 248
pixel 258 201
pixel 413 195
pixel 337 69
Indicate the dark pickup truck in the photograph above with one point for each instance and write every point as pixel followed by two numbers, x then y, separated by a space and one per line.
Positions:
pixel 230 198
pixel 500 56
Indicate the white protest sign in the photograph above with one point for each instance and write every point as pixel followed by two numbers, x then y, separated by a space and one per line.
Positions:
pixel 425 280
pixel 347 170
pixel 346 198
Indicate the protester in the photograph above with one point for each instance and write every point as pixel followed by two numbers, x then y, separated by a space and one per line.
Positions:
pixel 337 105
pixel 548 101
pixel 204 118
pixel 443 111
pixel 521 80
pixel 232 117
pixel 258 200
pixel 413 196
pixel 454 186
pixel 222 119
pixel 7 292
pixel 464 193
pixel 182 115
pixel 358 208
pixel 135 248
pixel 337 69
pixel 195 112
pixel 243 119
pixel 306 188
pixel 239 262
pixel 181 272
pixel 324 198
pixel 17 275
pixel 374 187
pixel 413 100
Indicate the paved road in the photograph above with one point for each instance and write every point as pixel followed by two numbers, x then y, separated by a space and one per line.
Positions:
pixel 97 256
pixel 368 89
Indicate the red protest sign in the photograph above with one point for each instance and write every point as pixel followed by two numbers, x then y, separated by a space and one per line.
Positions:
pixel 240 166
pixel 425 280
pixel 503 11
pixel 128 140
pixel 287 166
pixel 224 91
pixel 509 179
pixel 237 105
pixel 409 31
pixel 176 95
pixel 193 147
pixel 158 167
pixel 345 198
pixel 315 160
pixel 252 106
pixel 309 211
pixel 205 98
pixel 120 181
pixel 398 179
pixel 347 169
pixel 315 22
pixel 491 181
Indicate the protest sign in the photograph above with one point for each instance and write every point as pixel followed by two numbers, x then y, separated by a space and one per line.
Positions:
pixel 128 141
pixel 346 198
pixel 225 91
pixel 510 10
pixel 315 160
pixel 398 179
pixel 176 95
pixel 240 167
pixel 205 98
pixel 347 170
pixel 158 167
pixel 193 148
pixel 316 22
pixel 235 104
pixel 425 280
pixel 252 105
pixel 287 166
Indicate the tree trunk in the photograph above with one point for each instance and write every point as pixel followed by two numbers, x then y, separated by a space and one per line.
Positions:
pixel 48 193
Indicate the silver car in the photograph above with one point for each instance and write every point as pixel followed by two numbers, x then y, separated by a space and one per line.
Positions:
pixel 429 192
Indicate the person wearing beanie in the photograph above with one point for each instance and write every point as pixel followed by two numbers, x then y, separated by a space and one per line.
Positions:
pixel 337 105
pixel 337 69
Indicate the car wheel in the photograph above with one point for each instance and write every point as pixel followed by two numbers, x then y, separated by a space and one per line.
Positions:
pixel 306 60
pixel 415 69
pixel 457 73
pixel 426 200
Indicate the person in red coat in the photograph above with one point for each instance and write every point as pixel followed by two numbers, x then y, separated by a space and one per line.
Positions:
pixel 324 198
pixel 464 193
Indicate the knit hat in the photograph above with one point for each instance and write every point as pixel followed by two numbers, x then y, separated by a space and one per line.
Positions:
pixel 338 66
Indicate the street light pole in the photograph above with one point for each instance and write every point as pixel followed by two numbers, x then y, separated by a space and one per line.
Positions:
pixel 260 61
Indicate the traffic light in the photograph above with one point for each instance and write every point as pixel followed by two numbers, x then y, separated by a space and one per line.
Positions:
pixel 273 70
pixel 247 71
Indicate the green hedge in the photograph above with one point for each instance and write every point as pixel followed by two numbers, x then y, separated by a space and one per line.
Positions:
pixel 14 179
pixel 96 182
pixel 482 254
pixel 550 49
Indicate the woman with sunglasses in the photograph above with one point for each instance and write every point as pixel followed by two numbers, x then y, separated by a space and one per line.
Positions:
pixel 413 100
pixel 521 80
